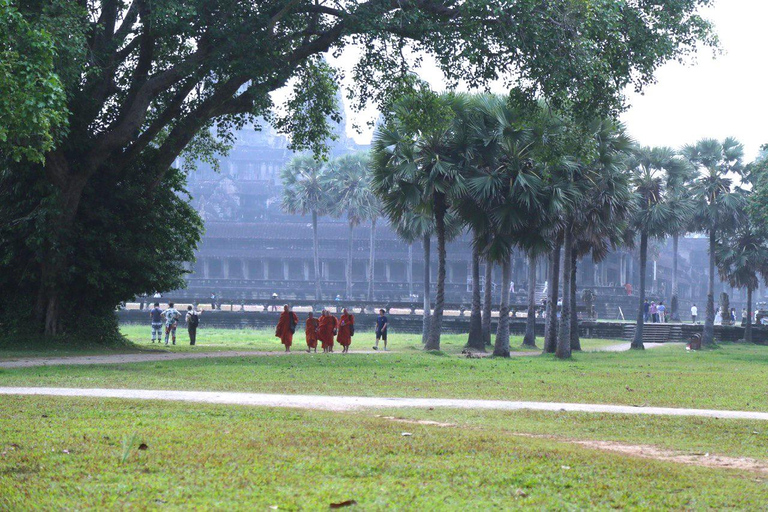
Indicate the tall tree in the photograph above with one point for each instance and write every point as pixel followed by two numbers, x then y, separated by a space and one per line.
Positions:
pixel 658 213
pixel 305 193
pixel 349 184
pixel 717 203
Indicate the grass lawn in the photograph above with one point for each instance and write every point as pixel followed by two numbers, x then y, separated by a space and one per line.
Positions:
pixel 62 453
pixel 732 377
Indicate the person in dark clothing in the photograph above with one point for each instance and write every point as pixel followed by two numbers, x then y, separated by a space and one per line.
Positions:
pixel 156 317
pixel 382 323
pixel 646 309
pixel 193 320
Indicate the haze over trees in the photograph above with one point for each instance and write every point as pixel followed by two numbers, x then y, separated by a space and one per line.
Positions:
pixel 133 86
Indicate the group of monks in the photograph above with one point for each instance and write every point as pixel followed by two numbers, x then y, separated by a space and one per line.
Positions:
pixel 322 329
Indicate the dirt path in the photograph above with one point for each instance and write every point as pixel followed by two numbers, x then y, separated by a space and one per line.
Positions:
pixel 642 451
pixel 346 403
pixel 150 357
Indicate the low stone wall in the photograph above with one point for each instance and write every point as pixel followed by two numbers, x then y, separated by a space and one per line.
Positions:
pixel 411 324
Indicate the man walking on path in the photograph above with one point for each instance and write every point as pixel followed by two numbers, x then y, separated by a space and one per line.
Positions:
pixel 193 320
pixel 346 330
pixel 694 313
pixel 310 330
pixel 171 320
pixel 286 326
pixel 156 317
pixel 381 329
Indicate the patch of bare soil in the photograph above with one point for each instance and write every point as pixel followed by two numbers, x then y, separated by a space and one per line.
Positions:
pixel 633 450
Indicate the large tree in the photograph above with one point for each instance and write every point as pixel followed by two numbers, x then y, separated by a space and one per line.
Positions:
pixel 716 203
pixel 145 80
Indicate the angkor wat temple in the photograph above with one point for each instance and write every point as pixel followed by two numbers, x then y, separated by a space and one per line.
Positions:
pixel 252 249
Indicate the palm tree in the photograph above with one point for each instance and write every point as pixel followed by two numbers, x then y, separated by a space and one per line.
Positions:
pixel 657 214
pixel 716 203
pixel 742 258
pixel 529 340
pixel 304 192
pixel 348 181
pixel 413 169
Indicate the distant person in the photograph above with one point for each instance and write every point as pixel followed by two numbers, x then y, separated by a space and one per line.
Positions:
pixel 193 320
pixel 733 316
pixel 743 317
pixel 286 326
pixel 213 301
pixel 274 301
pixel 327 329
pixel 653 312
pixel 719 317
pixel 171 321
pixel 646 310
pixel 694 313
pixel 382 323
pixel 628 288
pixel 346 330
pixel 156 317
pixel 512 287
pixel 661 310
pixel 310 331
pixel 157 295
pixel 546 288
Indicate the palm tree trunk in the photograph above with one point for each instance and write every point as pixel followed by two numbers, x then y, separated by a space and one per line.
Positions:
pixel 425 324
pixel 748 326
pixel 435 330
pixel 372 259
pixel 530 323
pixel 637 342
pixel 475 338
pixel 709 323
pixel 348 291
pixel 316 250
pixel 487 303
pixel 674 307
pixel 550 328
pixel 410 271
pixel 501 346
pixel 563 350
pixel 575 339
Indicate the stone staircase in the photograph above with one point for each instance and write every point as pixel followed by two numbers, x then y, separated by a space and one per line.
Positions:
pixel 539 293
pixel 656 333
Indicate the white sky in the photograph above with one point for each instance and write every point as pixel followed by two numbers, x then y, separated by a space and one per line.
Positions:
pixel 712 97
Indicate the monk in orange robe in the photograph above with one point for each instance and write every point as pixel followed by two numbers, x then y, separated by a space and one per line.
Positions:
pixel 286 326
pixel 346 330
pixel 311 332
pixel 327 330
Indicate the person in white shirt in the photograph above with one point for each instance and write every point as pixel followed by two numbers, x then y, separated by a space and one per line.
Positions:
pixel 694 313
pixel 171 321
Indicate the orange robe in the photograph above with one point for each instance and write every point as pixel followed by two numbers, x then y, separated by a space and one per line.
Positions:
pixel 311 331
pixel 283 330
pixel 345 330
pixel 325 331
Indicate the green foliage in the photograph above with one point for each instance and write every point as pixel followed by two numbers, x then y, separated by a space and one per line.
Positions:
pixel 304 189
pixel 348 182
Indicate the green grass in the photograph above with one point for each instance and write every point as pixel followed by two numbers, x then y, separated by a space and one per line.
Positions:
pixel 732 377
pixel 62 453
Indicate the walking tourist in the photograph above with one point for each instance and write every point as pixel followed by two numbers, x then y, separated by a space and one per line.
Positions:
pixel 193 320
pixel 310 331
pixel 381 329
pixel 346 330
pixel 653 312
pixel 661 310
pixel 156 317
pixel 213 301
pixel 171 321
pixel 326 330
pixel 694 313
pixel 286 326
pixel 743 317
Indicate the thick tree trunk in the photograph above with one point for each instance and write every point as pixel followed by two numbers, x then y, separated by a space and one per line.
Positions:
pixel 708 337
pixel 501 346
pixel 575 339
pixel 372 260
pixel 316 251
pixel 435 330
pixel 674 306
pixel 563 350
pixel 487 303
pixel 748 326
pixel 427 320
pixel 530 323
pixel 348 291
pixel 475 339
pixel 70 191
pixel 637 342
pixel 550 328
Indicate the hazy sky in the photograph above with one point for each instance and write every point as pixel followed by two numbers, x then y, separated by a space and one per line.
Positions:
pixel 712 97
